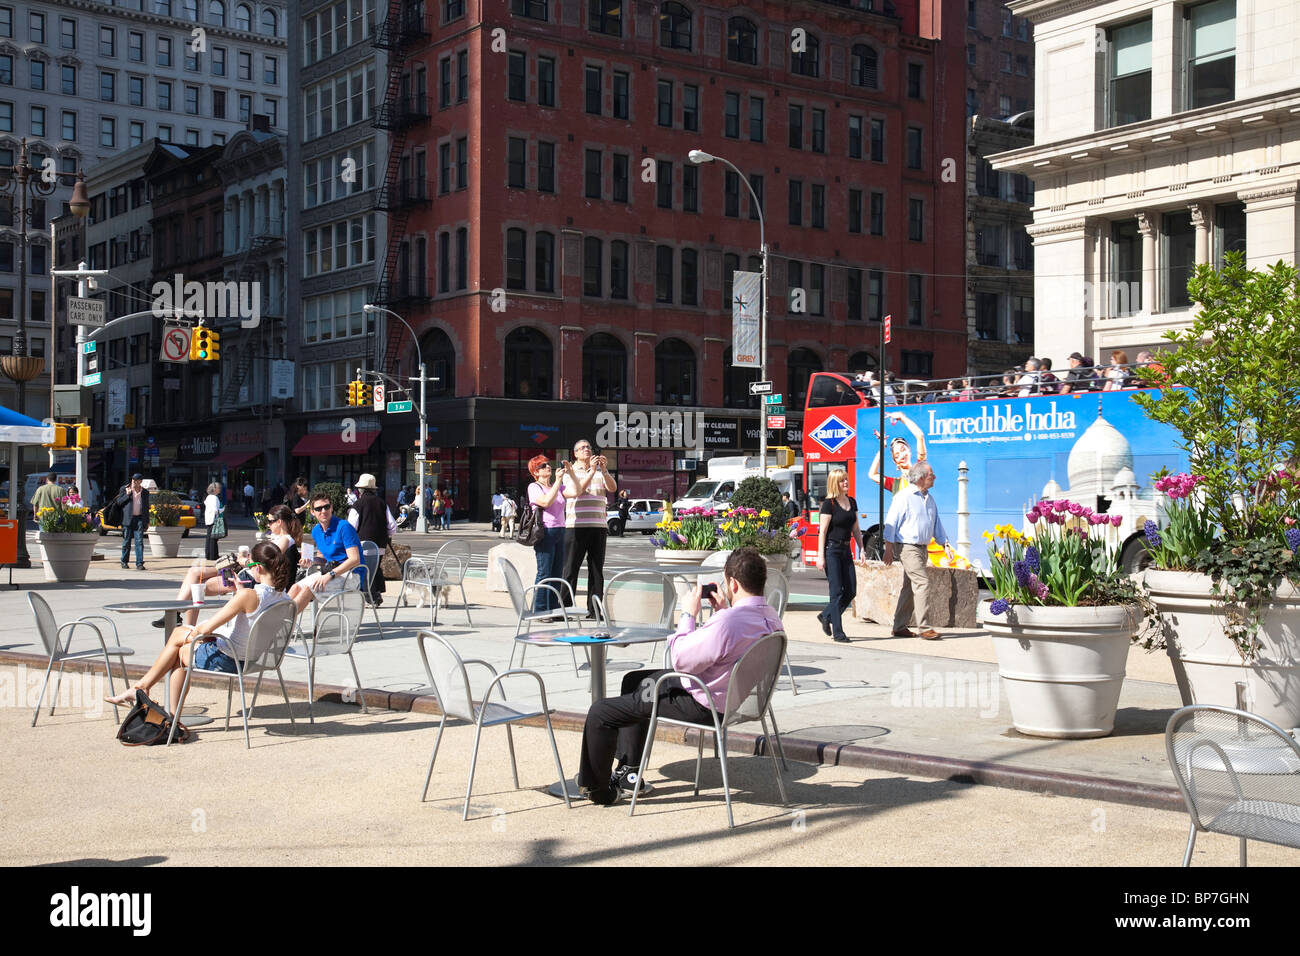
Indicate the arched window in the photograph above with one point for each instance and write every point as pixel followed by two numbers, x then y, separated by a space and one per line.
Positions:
pixel 799 368
pixel 243 17
pixel 674 26
pixel 862 362
pixel 865 67
pixel 742 41
pixel 735 383
pixel 674 373
pixel 439 362
pixel 529 364
pixel 217 12
pixel 604 369
pixel 192 10
pixel 808 62
pixel 270 23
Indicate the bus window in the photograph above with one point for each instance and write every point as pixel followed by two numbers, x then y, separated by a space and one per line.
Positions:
pixel 831 390
pixel 817 474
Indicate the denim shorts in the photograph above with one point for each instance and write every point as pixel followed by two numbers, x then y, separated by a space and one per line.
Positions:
pixel 209 658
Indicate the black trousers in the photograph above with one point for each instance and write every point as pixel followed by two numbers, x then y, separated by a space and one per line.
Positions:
pixel 211 545
pixel 617 726
pixel 586 543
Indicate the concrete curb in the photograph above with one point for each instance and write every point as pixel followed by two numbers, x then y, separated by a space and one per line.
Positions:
pixel 932 766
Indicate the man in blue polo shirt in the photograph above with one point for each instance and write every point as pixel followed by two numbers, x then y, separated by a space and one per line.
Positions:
pixel 338 545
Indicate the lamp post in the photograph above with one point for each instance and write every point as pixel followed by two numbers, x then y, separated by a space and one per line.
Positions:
pixel 22 182
pixel 699 157
pixel 420 526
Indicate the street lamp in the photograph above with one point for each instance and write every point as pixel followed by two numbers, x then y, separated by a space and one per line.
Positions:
pixel 699 157
pixel 420 526
pixel 22 182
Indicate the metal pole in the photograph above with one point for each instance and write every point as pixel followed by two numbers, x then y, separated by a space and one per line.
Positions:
pixel 82 291
pixel 420 525
pixel 880 395
pixel 762 350
pixel 17 479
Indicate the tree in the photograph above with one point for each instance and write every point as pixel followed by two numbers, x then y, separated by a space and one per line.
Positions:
pixel 761 494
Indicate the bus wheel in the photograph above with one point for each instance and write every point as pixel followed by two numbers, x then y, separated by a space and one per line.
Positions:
pixel 1134 558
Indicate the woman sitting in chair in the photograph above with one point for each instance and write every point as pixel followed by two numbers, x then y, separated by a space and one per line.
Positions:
pixel 223 637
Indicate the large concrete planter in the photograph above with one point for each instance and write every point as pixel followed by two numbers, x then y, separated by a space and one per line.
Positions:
pixel 778 562
pixel 1208 665
pixel 165 542
pixel 67 555
pixel 685 585
pixel 1062 667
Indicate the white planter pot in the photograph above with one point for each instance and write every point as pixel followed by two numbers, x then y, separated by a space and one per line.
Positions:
pixel 1208 665
pixel 165 542
pixel 1062 667
pixel 67 555
pixel 778 562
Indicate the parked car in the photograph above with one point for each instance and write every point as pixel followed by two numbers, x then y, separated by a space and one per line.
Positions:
pixel 643 516
pixel 191 511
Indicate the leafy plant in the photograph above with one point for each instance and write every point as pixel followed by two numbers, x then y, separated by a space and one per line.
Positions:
pixel 165 509
pixel 1246 574
pixel 762 495
pixel 263 523
pixel 1188 532
pixel 692 529
pixel 67 515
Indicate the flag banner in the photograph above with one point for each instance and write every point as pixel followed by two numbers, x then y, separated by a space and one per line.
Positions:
pixel 745 312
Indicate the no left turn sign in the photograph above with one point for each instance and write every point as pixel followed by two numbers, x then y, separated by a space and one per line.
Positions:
pixel 176 344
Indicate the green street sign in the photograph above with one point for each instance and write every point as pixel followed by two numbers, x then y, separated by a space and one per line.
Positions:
pixel 400 406
pixel 92 379
pixel 773 399
pixel 775 410
pixel 88 347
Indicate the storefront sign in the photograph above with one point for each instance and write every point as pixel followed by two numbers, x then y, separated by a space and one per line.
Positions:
pixel 720 433
pixel 242 438
pixel 645 460
pixel 199 447
pixel 540 434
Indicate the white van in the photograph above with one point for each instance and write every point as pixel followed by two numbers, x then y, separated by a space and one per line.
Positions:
pixel 725 474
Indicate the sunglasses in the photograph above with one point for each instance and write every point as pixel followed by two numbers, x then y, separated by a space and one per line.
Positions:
pixel 323 508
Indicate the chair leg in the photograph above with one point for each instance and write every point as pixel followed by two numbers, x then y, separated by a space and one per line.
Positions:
pixel 645 755
pixel 58 680
pixel 375 611
pixel 360 695
pixel 176 717
pixel 401 599
pixel 464 598
pixel 284 692
pixel 432 757
pixel 1191 842
pixel 726 784
pixel 776 738
pixel 45 683
pixel 311 690
pixel 256 690
pixel 555 752
pixel 1243 851
pixel 230 691
pixel 794 687
pixel 780 781
pixel 514 768
pixel 243 709
pixel 473 761
pixel 699 759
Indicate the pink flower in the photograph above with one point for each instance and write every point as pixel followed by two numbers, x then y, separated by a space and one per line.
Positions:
pixel 1076 509
pixel 1032 517
pixel 1060 507
pixel 1115 520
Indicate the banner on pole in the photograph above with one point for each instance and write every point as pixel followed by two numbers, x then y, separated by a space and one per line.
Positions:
pixel 746 302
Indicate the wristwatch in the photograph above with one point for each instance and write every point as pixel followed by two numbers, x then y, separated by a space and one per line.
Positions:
pixel 331 574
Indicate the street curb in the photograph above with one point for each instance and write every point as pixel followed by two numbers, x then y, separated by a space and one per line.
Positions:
pixel 820 753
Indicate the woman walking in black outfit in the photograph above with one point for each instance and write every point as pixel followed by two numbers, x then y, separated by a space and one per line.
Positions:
pixel 839 527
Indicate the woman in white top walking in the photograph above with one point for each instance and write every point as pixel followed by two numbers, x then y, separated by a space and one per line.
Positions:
pixel 212 507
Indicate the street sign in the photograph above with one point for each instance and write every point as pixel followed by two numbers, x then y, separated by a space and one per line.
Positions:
pixel 93 378
pixel 400 406
pixel 92 363
pixel 775 409
pixel 86 311
pixel 889 322
pixel 773 399
pixel 176 343
pixel 776 421
pixel 88 347
pixel 419 457
pixel 760 388
pixel 379 397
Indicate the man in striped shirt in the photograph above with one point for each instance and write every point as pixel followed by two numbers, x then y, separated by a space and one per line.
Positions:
pixel 585 530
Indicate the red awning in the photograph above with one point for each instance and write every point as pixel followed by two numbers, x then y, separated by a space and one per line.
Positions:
pixel 332 443
pixel 233 459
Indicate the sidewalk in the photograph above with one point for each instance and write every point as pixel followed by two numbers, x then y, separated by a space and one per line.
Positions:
pixel 925 708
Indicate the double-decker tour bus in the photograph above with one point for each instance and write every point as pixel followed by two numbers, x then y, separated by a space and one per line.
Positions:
pixel 993 457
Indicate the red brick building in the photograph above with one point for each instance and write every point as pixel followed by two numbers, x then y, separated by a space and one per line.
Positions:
pixel 540 150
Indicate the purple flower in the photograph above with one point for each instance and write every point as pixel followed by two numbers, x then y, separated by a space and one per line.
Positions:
pixel 1033 516
pixel 1293 538
pixel 1060 507
pixel 999 606
pixel 1150 529
pixel 1115 520
pixel 1022 573
pixel 1043 591
pixel 1031 559
pixel 1076 509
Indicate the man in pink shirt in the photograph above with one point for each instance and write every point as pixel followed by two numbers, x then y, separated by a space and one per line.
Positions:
pixel 618 725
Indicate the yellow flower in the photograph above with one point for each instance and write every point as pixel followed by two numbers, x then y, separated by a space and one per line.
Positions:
pixel 988 535
pixel 765 513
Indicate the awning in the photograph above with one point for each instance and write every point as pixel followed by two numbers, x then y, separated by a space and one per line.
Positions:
pixel 332 443
pixel 233 459
pixel 20 430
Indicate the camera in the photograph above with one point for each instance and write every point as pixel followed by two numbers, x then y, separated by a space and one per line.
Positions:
pixel 708 590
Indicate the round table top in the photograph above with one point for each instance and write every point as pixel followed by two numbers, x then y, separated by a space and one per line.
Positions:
pixel 131 607
pixel 618 636
pixel 671 569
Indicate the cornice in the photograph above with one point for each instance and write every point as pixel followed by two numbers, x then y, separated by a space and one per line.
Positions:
pixel 1271 191
pixel 1052 228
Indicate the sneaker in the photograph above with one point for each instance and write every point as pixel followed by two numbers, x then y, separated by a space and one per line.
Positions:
pixel 125 566
pixel 625 778
pixel 603 798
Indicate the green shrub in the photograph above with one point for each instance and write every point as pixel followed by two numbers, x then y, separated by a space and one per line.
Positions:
pixel 761 494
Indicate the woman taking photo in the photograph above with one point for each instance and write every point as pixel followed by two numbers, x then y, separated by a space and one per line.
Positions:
pixel 217 642
pixel 545 493
pixel 212 507
pixel 839 527
pixel 296 499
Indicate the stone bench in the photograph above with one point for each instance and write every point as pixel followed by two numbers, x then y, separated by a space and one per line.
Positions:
pixel 953 594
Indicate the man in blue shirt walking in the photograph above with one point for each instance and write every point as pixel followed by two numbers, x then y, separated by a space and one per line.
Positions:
pixel 912 521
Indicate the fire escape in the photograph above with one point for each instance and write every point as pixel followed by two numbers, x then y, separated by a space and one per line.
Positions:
pixel 406 28
pixel 267 235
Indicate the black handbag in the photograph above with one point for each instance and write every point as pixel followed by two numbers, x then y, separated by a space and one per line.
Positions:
pixel 148 724
pixel 531 529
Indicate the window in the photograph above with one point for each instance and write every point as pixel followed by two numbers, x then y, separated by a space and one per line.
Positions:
pixel 605 16
pixel 516 269
pixel 618 269
pixel 731 115
pixel 1130 73
pixel 462 164
pixel 38 120
pixel 731 194
pixel 164 133
pixel 1125 268
pixel 674 372
pixel 914 303
pixel 517 162
pixel 546 167
pixel 462 258
pixel 877 141
pixel 164 95
pixel 218 61
pixel 915 78
pixel 1022 318
pixel 136 135
pixel 916 219
pixel 243 18
pixel 1022 64
pixel 462 76
pixel 622 86
pixel 545 81
pixel 1210 29
pixel 219 104
pixel 691 108
pixel 7 118
pixel 664 274
pixel 593 254
pixel 819 131
pixel 1178 257
pixel 107 132
pixel 756 184
pixel 986 316
pixel 271 71
pixel 67 34
pixel 107 42
pixel 674 26
pixel 6 22
pixel 217 12
pixel 970 54
pixel 1229 231
pixel 742 41
pixel 816 288
pixel 865 67
pixel 665 103
pixel 808 61
pixel 913 148
pixel 756 119
pixel 70 126
pixel 690 188
pixel 444 82
pixel 593 89
pixel 621 177
pixel 795 195
pixel 444 262
pixel 37 75
pixel 795 114
pixel 604 369
pixel 1004 106
pixel 529 362
pixel 517 76
pixel 245 108
pixel 192 99
pixel 164 52
pixel 593 174
pixel 918 364
pixel 855 137
pixel 690 277
pixel 877 216
pixel 818 206
pixel 544 262
pixel 793 284
pixel 664 184
pixel 1007 17
pixel 855 210
pixel 533 9
pixel 36 27
pixel 875 295
pixel 444 167
pixel 68 80
pixel 192 59
pixel 853 294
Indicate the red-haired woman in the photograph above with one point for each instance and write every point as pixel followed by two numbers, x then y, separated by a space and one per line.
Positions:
pixel 545 493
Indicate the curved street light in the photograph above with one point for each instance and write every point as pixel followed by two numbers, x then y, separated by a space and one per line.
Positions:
pixel 370 309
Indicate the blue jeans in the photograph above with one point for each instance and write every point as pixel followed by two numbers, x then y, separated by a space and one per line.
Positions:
pixel 550 564
pixel 134 527
pixel 842 581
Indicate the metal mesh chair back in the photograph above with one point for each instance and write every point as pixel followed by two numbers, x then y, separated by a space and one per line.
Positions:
pixel 370 558
pixel 338 621
pixel 450 680
pixel 45 622
pixel 513 584
pixel 452 562
pixel 269 637
pixel 776 592
pixel 753 677
pixel 640 597
pixel 1239 773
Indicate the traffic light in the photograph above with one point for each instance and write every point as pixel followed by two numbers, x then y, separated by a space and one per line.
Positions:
pixel 83 436
pixel 201 344
pixel 367 394
pixel 60 437
pixel 784 455
pixel 214 346
pixel 352 393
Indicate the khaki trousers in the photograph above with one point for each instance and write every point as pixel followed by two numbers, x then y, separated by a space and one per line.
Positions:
pixel 916 585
